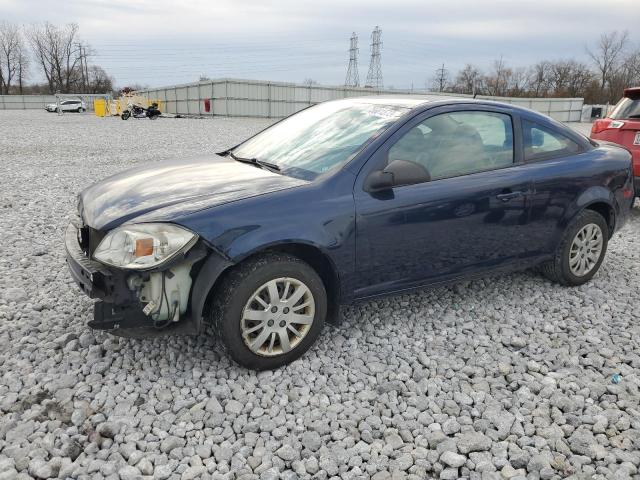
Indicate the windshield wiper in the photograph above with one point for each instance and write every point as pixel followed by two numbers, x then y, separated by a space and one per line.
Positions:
pixel 255 161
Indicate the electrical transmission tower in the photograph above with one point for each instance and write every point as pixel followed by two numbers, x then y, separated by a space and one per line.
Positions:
pixel 374 77
pixel 352 79
pixel 84 68
pixel 441 78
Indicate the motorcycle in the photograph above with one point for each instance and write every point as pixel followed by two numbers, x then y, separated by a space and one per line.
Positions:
pixel 138 111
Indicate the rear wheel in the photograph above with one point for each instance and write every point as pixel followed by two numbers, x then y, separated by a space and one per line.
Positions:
pixel 581 251
pixel 269 311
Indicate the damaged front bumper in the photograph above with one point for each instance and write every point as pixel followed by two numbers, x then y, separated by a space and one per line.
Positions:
pixel 123 295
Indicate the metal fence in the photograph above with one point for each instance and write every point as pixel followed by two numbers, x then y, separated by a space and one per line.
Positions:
pixel 251 98
pixel 34 102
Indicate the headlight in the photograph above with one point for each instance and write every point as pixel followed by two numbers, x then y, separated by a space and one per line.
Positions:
pixel 143 246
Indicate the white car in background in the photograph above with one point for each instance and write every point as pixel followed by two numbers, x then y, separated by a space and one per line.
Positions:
pixel 67 106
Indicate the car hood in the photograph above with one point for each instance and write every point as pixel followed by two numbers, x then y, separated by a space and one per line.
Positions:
pixel 166 190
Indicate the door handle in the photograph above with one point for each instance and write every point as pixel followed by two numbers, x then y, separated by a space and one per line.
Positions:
pixel 505 197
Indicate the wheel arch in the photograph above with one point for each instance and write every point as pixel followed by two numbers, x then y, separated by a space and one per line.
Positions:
pixel 215 268
pixel 607 212
pixel 316 258
pixel 600 200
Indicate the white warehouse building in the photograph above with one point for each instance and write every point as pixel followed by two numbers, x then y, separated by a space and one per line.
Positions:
pixel 253 98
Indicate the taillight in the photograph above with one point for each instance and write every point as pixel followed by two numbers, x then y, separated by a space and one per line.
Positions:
pixel 600 125
pixel 605 124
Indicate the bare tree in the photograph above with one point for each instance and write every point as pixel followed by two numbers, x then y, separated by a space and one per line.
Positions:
pixel 539 79
pixel 570 78
pixel 23 66
pixel 57 52
pixel 518 82
pixel 11 55
pixel 99 81
pixel 626 75
pixel 607 54
pixel 497 81
pixel 468 80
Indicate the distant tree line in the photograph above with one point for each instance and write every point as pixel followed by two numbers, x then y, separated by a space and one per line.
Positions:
pixel 612 65
pixel 53 51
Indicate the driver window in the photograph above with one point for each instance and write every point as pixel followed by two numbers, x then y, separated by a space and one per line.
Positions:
pixel 458 143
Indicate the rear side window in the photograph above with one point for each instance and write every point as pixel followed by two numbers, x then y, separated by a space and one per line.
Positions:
pixel 626 108
pixel 540 143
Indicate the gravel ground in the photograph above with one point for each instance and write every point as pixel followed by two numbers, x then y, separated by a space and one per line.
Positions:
pixel 508 377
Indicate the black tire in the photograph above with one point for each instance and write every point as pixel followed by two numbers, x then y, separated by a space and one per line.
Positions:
pixel 558 269
pixel 238 287
pixel 125 115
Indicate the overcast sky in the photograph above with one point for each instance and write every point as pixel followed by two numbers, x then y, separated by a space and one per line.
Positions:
pixel 162 42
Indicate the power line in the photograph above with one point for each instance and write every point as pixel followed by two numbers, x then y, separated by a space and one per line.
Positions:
pixel 352 79
pixel 374 76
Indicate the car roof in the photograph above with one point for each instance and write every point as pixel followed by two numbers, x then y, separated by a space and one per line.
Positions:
pixel 632 92
pixel 408 101
pixel 419 103
pixel 426 101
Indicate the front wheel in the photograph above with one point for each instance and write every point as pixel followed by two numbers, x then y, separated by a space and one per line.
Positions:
pixel 269 311
pixel 581 251
pixel 125 115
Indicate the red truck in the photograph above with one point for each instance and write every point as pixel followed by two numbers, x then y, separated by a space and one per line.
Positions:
pixel 622 126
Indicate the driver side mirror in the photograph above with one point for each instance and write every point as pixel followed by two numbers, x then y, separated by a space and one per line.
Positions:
pixel 397 173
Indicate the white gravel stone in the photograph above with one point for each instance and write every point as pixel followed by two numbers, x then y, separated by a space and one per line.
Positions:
pixel 453 459
pixel 311 440
pixel 129 473
pixel 510 371
pixel 473 442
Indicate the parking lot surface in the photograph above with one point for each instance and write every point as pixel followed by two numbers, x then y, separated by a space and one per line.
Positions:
pixel 504 377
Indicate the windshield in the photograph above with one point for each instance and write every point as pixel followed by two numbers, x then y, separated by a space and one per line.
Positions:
pixel 626 108
pixel 320 138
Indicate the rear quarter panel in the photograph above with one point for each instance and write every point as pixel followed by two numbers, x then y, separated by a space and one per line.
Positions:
pixel 565 186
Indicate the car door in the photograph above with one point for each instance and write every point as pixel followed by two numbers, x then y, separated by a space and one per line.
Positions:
pixel 472 214
pixel 553 160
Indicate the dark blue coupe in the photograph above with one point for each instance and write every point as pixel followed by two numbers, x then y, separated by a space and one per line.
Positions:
pixel 343 201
